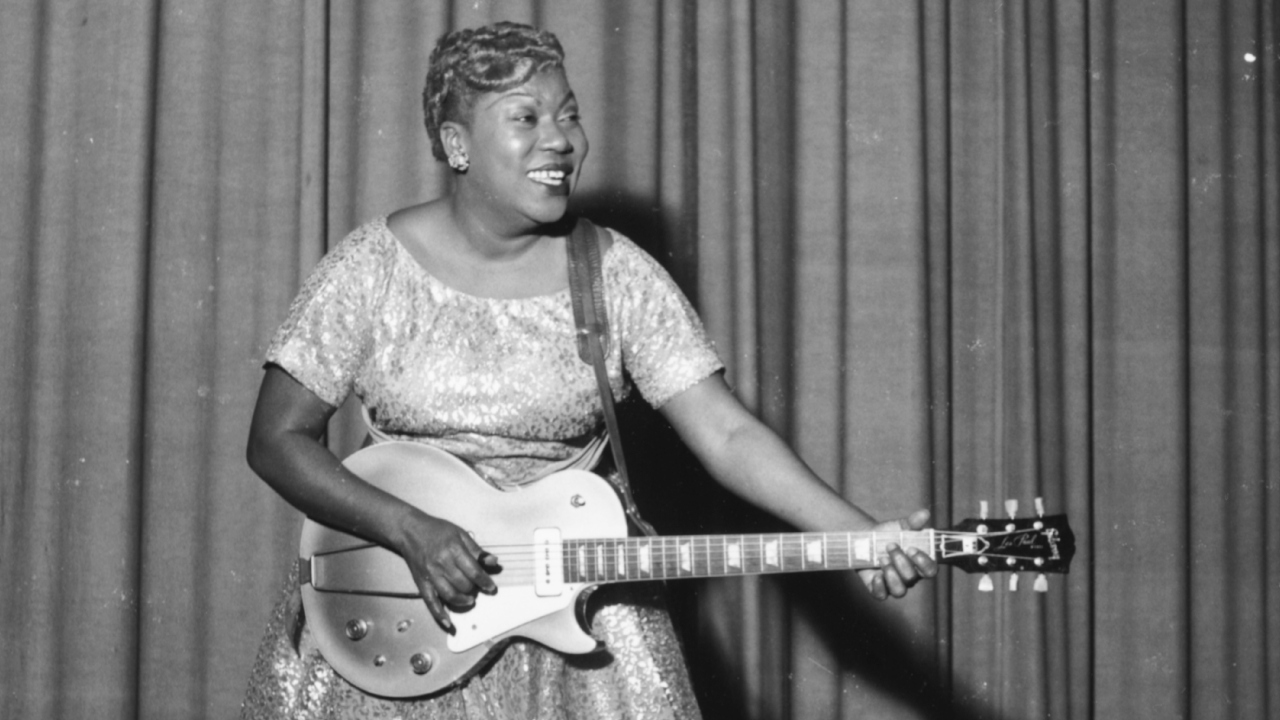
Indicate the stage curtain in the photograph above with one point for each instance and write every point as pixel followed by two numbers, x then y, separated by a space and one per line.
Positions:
pixel 955 252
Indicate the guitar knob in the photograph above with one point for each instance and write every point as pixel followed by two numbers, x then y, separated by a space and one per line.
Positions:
pixel 421 663
pixel 357 628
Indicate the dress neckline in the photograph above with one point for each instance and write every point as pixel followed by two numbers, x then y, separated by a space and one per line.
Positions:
pixel 385 229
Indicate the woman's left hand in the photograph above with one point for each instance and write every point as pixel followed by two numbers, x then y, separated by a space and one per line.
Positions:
pixel 905 567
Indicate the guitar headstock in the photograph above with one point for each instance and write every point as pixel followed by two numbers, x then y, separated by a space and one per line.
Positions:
pixel 1040 544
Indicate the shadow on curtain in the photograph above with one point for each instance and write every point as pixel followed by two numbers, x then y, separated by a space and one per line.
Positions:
pixel 955 251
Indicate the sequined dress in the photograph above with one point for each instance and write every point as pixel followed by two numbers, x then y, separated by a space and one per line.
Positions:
pixel 498 383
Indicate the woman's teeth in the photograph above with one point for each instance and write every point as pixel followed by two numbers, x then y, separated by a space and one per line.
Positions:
pixel 548 177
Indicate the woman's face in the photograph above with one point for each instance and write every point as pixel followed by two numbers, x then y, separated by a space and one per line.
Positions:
pixel 526 147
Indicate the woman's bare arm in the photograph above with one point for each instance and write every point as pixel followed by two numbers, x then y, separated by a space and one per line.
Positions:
pixel 285 450
pixel 749 459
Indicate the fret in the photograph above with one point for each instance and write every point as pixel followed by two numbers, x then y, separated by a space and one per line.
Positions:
pixel 771 559
pixel 715 555
pixel 847 551
pixel 645 559
pixel 788 559
pixel 733 555
pixel 815 551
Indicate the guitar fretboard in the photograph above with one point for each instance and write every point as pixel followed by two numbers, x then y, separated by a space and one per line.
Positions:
pixel 688 556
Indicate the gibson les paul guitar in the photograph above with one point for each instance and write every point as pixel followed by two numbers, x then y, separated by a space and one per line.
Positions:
pixel 556 539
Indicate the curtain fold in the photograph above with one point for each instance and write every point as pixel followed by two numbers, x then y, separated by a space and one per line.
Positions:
pixel 954 252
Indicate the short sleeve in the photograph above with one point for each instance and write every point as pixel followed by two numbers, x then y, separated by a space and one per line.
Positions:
pixel 325 339
pixel 664 346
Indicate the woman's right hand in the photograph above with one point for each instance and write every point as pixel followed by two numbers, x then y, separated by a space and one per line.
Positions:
pixel 448 565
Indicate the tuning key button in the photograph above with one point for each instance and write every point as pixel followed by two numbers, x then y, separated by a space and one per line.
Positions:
pixel 986 585
pixel 1011 507
pixel 1041 583
pixel 421 663
pixel 357 628
pixel 1013 582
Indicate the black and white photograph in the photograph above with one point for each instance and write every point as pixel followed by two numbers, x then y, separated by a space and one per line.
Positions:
pixel 640 359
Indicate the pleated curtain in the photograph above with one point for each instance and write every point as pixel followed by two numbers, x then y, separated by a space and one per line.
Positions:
pixel 954 252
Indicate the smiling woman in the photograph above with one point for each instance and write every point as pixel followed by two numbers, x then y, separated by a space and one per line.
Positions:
pixel 452 322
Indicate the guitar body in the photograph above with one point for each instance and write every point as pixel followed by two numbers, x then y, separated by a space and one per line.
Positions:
pixel 363 607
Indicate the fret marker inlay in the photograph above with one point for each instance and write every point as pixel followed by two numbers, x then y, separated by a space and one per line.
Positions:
pixel 813 552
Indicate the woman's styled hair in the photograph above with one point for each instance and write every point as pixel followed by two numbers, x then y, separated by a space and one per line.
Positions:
pixel 469 62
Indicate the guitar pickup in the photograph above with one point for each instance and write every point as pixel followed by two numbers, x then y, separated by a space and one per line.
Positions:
pixel 548 562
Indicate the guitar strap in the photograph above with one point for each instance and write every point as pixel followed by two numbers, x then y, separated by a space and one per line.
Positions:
pixel 590 316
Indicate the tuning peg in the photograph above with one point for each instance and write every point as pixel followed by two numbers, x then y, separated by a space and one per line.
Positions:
pixel 985 584
pixel 1041 583
pixel 982 509
pixel 1040 507
pixel 1013 582
pixel 1011 507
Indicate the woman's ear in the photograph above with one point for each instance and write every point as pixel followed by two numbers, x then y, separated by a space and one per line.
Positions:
pixel 452 137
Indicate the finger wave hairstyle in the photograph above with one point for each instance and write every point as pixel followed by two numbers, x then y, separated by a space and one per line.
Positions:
pixel 469 62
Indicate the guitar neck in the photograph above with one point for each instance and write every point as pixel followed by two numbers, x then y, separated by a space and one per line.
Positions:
pixel 605 560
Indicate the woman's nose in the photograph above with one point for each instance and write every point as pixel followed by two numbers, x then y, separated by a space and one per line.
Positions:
pixel 555 138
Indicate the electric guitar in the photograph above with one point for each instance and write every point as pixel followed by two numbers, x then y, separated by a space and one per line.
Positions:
pixel 556 539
